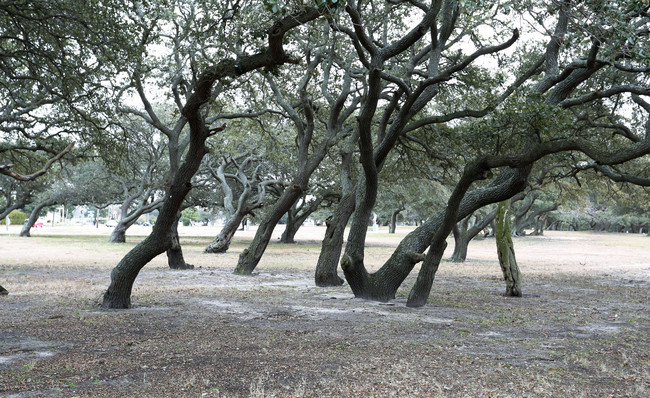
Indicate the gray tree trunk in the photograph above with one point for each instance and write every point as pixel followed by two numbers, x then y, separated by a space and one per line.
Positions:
pixel 464 234
pixel 118 294
pixel 328 260
pixel 383 284
pixel 393 221
pixel 251 256
pixel 221 242
pixel 119 234
pixel 33 216
pixel 506 251
pixel 175 252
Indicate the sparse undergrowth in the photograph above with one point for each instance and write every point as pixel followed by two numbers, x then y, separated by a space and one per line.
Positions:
pixel 208 332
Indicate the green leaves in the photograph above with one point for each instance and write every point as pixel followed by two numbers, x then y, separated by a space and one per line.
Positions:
pixel 283 7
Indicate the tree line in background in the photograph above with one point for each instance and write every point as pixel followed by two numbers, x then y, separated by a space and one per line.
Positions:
pixel 460 116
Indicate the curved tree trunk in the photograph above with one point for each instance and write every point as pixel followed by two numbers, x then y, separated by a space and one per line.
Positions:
pixel 422 287
pixel 393 221
pixel 33 216
pixel 175 252
pixel 292 226
pixel 119 234
pixel 3 291
pixel 506 251
pixel 461 241
pixel 221 242
pixel 463 235
pixel 251 256
pixel 328 260
pixel 289 233
pixel 118 294
pixel 383 284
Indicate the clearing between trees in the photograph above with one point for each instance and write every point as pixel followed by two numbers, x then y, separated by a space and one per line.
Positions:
pixel 580 329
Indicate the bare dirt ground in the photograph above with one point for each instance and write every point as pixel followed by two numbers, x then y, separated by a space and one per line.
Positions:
pixel 581 329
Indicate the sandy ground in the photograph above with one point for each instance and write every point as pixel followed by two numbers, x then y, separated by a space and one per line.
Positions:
pixel 581 328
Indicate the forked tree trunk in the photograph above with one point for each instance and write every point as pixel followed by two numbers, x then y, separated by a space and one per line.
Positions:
pixel 422 287
pixel 3 291
pixel 33 216
pixel 221 242
pixel 464 234
pixel 383 284
pixel 175 251
pixel 506 251
pixel 328 260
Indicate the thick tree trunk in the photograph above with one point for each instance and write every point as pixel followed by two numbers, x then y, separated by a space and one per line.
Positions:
pixel 292 226
pixel 289 234
pixel 252 255
pixel 463 235
pixel 382 285
pixel 118 294
pixel 119 234
pixel 33 216
pixel 422 287
pixel 175 252
pixel 506 251
pixel 221 243
pixel 3 291
pixel 461 241
pixel 328 260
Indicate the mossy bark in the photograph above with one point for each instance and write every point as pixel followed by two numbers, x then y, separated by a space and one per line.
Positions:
pixel 506 250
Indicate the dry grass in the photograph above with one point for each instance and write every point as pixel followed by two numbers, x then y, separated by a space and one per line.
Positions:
pixel 581 328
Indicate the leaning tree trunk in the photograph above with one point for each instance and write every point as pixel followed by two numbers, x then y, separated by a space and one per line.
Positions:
pixel 221 242
pixel 328 260
pixel 33 216
pixel 175 252
pixel 118 294
pixel 3 291
pixel 422 287
pixel 251 256
pixel 506 251
pixel 119 234
pixel 383 284
pixel 463 235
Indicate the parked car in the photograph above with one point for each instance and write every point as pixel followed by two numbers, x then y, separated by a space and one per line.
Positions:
pixel 111 223
pixel 38 224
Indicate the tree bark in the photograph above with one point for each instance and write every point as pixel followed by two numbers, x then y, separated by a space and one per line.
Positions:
pixel 506 251
pixel 118 294
pixel 421 289
pixel 221 242
pixel 175 251
pixel 297 215
pixel 393 220
pixel 118 235
pixel 464 234
pixel 33 216
pixel 383 284
pixel 251 256
pixel 328 260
